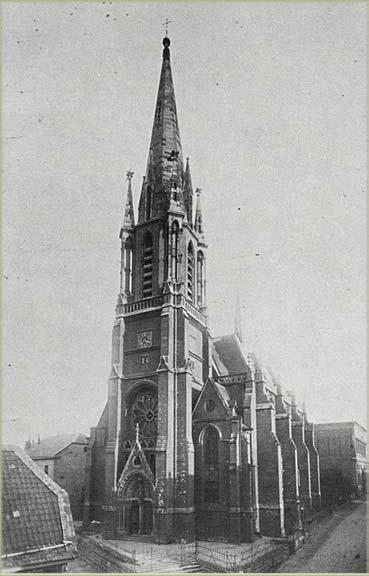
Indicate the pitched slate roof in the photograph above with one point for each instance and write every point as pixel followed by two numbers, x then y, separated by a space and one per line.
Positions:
pixel 229 357
pixel 49 447
pixel 37 524
pixel 223 393
pixel 229 352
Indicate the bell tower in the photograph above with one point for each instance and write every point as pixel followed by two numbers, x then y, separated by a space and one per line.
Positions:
pixel 160 349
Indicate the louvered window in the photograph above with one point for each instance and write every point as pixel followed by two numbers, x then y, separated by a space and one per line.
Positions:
pixel 174 251
pixel 147 266
pixel 128 265
pixel 190 272
pixel 200 279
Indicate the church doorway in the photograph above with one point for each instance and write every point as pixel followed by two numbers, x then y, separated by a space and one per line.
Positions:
pixel 135 507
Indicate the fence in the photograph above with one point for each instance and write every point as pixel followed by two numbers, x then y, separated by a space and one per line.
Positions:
pixel 262 551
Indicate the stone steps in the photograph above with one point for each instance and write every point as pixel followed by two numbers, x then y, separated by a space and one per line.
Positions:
pixel 169 568
pixel 103 558
pixel 137 538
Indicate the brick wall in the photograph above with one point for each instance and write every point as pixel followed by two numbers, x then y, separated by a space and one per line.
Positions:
pixel 69 473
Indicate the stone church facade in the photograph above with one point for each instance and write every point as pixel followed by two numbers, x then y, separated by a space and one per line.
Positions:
pixel 197 439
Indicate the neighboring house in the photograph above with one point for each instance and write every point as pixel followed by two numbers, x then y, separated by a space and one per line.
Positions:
pixel 63 458
pixel 37 525
pixel 342 452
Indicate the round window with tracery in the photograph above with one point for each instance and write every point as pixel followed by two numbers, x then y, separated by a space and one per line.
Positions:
pixel 145 413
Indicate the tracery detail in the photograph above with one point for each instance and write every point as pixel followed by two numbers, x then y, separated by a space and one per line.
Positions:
pixel 145 413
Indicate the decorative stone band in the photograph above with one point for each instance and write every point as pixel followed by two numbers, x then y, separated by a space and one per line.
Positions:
pixel 140 305
pixel 157 302
pixel 188 510
pixel 265 406
pixel 194 312
pixel 233 379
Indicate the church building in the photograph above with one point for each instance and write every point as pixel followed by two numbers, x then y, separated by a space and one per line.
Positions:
pixel 197 439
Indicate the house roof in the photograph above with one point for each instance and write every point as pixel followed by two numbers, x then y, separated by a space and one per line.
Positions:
pixel 51 446
pixel 37 523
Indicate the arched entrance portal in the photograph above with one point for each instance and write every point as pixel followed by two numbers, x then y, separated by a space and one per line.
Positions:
pixel 135 506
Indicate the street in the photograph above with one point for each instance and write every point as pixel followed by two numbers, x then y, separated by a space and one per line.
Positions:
pixel 336 543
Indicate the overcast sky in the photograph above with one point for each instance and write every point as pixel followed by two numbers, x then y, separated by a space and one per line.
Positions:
pixel 271 101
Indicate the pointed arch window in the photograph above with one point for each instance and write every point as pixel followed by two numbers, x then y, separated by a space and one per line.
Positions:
pixel 174 251
pixel 211 466
pixel 128 265
pixel 147 265
pixel 200 279
pixel 190 272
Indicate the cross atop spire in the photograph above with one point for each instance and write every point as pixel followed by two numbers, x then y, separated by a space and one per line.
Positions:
pixel 166 26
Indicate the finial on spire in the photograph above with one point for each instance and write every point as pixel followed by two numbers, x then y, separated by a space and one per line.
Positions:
pixel 137 432
pixel 129 175
pixel 166 41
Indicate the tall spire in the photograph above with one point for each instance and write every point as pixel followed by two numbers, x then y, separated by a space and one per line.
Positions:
pixel 129 216
pixel 165 162
pixel 238 320
pixel 188 193
pixel 198 216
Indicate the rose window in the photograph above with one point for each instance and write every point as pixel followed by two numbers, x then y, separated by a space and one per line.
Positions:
pixel 145 413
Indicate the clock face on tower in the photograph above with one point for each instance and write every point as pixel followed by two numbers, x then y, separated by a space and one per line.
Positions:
pixel 144 339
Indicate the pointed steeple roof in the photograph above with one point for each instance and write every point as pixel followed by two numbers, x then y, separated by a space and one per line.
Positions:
pixel 188 193
pixel 165 160
pixel 129 216
pixel 198 216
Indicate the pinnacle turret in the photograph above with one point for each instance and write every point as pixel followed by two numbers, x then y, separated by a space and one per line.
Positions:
pixel 129 216
pixel 198 216
pixel 188 193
